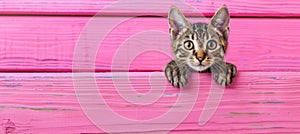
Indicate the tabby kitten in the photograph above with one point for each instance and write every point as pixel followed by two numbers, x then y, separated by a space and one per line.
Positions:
pixel 199 47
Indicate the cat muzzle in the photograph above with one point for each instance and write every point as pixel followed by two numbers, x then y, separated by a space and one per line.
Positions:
pixel 200 55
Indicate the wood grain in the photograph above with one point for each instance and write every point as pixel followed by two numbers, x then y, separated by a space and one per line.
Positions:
pixel 257 102
pixel 37 44
pixel 155 7
pixel 128 45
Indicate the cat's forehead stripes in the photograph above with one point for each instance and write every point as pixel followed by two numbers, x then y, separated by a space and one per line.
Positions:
pixel 207 50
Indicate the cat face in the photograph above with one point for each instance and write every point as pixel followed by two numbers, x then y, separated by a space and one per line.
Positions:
pixel 199 45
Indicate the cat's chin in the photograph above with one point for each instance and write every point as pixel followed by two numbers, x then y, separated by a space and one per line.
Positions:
pixel 199 68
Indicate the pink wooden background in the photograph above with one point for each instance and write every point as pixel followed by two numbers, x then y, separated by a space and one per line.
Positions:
pixel 38 40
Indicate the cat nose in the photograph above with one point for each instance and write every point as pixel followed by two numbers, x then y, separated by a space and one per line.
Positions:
pixel 200 54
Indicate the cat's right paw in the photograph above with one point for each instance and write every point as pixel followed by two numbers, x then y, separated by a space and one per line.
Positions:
pixel 177 76
pixel 226 76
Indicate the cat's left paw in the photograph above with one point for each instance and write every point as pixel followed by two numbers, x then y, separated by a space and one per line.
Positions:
pixel 176 75
pixel 226 77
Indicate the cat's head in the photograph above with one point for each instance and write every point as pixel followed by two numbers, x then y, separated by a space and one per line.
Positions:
pixel 199 45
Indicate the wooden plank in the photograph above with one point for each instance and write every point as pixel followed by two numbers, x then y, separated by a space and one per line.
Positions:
pixel 155 7
pixel 37 44
pixel 257 102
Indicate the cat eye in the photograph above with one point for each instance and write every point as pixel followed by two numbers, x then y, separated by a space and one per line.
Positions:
pixel 211 44
pixel 188 45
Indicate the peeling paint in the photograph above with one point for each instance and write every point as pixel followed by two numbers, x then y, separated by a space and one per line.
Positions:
pixel 37 109
pixel 244 114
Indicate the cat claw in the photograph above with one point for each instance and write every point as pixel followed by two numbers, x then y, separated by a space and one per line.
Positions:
pixel 176 75
pixel 226 78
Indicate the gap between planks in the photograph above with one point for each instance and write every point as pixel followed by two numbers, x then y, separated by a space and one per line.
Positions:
pixel 204 15
pixel 155 7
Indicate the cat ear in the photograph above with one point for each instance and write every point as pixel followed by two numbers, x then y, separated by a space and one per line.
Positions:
pixel 220 20
pixel 177 22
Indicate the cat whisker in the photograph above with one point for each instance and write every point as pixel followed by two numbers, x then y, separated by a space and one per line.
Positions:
pixel 199 47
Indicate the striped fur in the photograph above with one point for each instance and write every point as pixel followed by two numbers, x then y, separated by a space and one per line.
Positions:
pixel 199 47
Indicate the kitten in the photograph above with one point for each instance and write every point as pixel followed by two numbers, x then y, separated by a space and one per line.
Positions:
pixel 199 47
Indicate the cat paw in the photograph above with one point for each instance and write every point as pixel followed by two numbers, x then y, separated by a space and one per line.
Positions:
pixel 226 77
pixel 177 76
